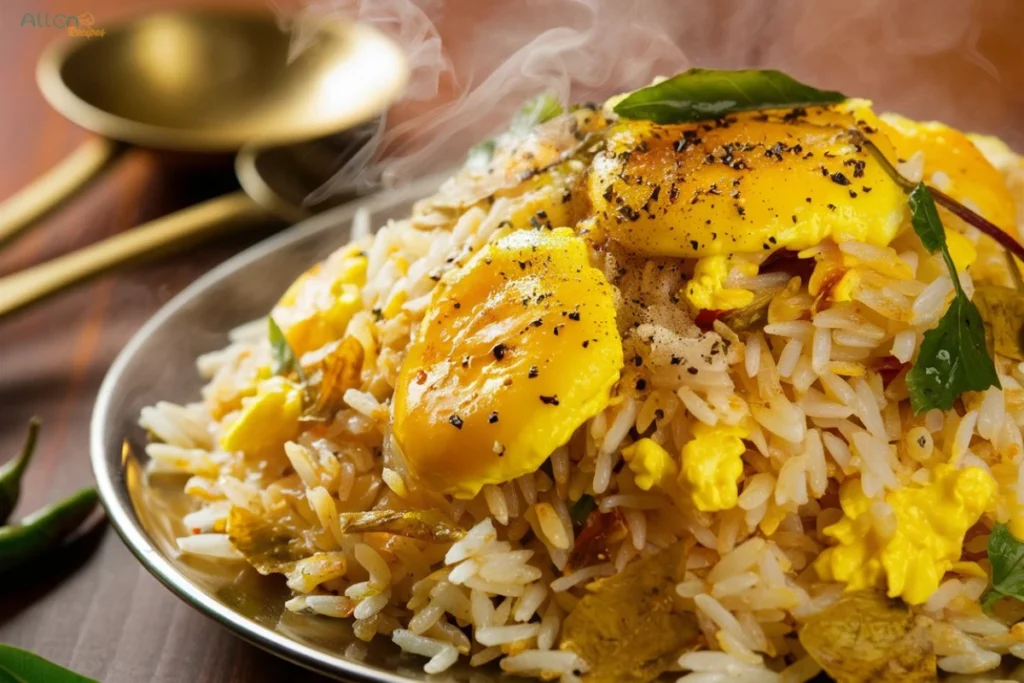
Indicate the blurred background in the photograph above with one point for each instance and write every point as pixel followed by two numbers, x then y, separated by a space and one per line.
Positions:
pixel 97 611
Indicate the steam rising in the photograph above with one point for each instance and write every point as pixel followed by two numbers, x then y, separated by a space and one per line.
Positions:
pixel 578 50
pixel 500 53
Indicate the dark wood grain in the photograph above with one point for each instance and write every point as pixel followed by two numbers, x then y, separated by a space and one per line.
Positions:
pixel 92 607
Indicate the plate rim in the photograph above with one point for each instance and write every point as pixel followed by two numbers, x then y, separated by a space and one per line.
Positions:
pixel 113 491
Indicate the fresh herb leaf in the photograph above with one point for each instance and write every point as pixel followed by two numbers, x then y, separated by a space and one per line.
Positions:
pixel 1006 554
pixel 12 472
pixel 536 110
pixel 626 626
pixel 581 509
pixel 282 355
pixel 479 156
pixel 953 357
pixel 927 225
pixel 22 666
pixel 701 94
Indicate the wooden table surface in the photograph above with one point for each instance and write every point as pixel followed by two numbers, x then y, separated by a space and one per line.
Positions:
pixel 93 608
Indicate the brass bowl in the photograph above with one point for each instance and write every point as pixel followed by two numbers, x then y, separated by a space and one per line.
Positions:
pixel 158 363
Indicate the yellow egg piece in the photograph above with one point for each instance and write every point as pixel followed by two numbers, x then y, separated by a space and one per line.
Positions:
pixel 517 349
pixel 317 307
pixel 954 165
pixel 267 420
pixel 930 522
pixel 651 464
pixel 755 183
pixel 712 465
pixel 707 290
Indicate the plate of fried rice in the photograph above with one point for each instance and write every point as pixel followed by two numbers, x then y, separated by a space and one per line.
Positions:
pixel 718 380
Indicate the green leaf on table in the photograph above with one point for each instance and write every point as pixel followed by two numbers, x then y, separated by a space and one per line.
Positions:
pixel 701 94
pixel 21 666
pixel 1006 554
pixel 953 356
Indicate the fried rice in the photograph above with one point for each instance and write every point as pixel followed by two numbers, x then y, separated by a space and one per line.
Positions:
pixel 816 388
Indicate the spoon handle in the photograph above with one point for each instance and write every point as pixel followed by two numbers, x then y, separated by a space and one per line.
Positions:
pixel 57 185
pixel 160 236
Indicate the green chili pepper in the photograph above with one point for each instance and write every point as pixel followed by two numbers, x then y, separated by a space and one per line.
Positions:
pixel 44 528
pixel 12 472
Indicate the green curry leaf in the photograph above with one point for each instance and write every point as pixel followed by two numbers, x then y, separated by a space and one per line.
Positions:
pixel 701 94
pixel 953 356
pixel 1006 554
pixel 21 666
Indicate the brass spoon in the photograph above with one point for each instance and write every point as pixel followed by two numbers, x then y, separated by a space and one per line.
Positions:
pixel 276 182
pixel 204 81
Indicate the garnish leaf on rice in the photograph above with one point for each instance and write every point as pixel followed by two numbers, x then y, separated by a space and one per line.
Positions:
pixel 626 628
pixel 953 357
pixel 1002 311
pixel 271 548
pixel 865 636
pixel 422 525
pixel 281 354
pixel 701 94
pixel 1006 554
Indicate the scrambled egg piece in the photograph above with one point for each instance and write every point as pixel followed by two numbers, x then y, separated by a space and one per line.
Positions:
pixel 707 290
pixel 316 309
pixel 651 464
pixel 751 183
pixel 712 465
pixel 931 521
pixel 268 419
pixel 518 348
pixel 954 165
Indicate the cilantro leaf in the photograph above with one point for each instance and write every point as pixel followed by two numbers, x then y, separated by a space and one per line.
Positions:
pixel 1006 554
pixel 925 218
pixel 701 94
pixel 953 356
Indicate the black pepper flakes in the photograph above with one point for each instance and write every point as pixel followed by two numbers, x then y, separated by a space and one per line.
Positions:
pixel 549 400
pixel 637 360
pixel 499 351
pixel 692 370
pixel 493 417
pixel 575 316
pixel 455 421
pixel 533 372
pixel 641 384
pixel 839 179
